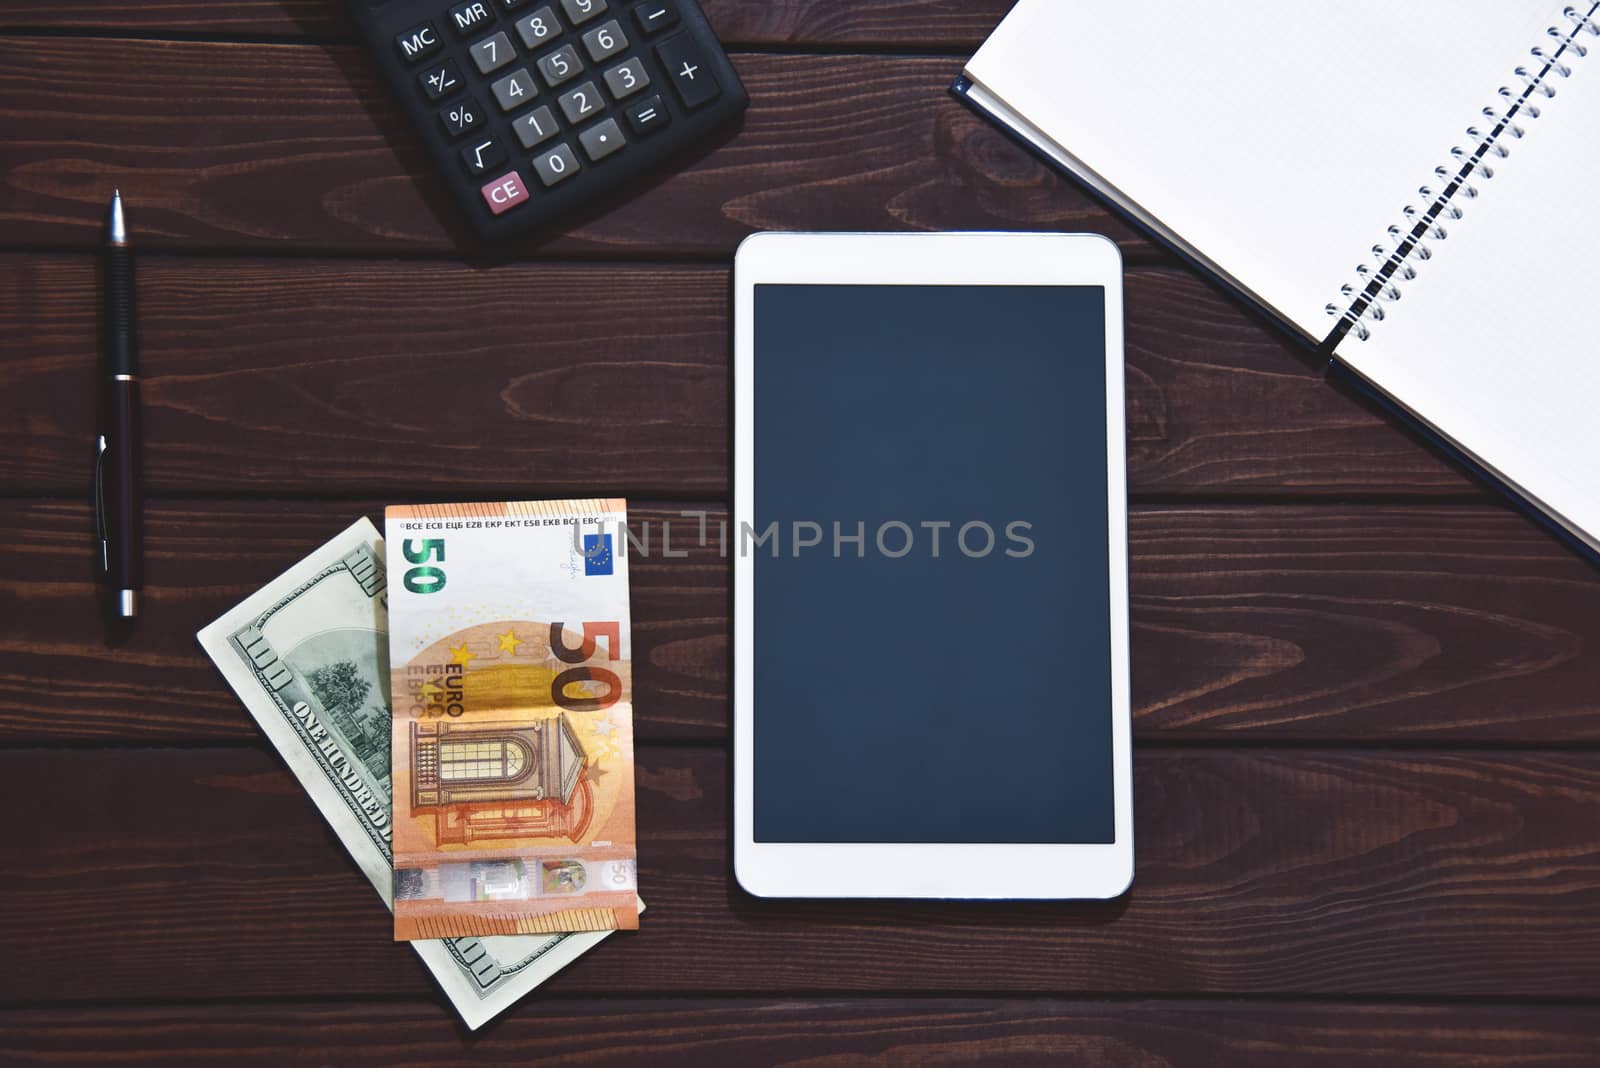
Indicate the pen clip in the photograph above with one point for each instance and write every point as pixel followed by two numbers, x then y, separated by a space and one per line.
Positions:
pixel 101 526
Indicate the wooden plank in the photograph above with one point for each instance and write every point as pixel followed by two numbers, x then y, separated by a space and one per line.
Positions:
pixel 959 25
pixel 608 377
pixel 693 1033
pixel 1357 623
pixel 1326 624
pixel 153 683
pixel 286 147
pixel 167 874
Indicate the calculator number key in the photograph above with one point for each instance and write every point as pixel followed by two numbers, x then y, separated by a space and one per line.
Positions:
pixel 560 66
pixel 605 41
pixel 504 193
pixel 483 157
pixel 461 117
pixel 583 102
pixel 536 127
pixel 581 11
pixel 687 70
pixel 440 81
pixel 539 27
pixel 648 115
pixel 493 53
pixel 628 78
pixel 514 90
pixel 655 17
pixel 556 165
pixel 418 42
pixel 602 139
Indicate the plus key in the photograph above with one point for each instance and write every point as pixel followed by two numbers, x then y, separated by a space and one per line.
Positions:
pixel 687 70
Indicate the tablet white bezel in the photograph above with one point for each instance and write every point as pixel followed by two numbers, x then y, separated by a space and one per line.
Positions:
pixel 907 870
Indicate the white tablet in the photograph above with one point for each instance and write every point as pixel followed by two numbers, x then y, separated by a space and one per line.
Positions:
pixel 930 580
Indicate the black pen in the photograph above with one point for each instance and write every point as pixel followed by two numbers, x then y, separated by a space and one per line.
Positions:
pixel 117 493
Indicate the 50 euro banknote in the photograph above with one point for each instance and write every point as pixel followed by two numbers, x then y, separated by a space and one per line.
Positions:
pixel 512 743
pixel 308 655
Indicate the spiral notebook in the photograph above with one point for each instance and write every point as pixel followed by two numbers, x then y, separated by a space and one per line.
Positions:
pixel 1408 185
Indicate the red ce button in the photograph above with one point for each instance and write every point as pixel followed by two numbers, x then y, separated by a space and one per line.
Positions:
pixel 505 192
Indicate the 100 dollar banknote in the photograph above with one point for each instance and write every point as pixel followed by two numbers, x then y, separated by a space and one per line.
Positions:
pixel 511 669
pixel 309 655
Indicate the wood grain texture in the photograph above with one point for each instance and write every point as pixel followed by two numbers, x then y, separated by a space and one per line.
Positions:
pixel 959 25
pixel 220 145
pixel 808 1032
pixel 1251 625
pixel 1289 900
pixel 109 684
pixel 1360 623
pixel 275 376
pixel 165 874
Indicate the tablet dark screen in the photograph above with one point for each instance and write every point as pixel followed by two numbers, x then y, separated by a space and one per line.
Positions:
pixel 945 678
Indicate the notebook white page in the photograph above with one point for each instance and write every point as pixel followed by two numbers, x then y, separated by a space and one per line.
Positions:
pixel 1274 142
pixel 1494 342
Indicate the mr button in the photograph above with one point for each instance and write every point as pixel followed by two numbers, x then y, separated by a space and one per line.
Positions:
pixel 505 193
pixel 687 69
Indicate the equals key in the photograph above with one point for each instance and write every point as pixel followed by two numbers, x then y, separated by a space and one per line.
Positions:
pixel 648 116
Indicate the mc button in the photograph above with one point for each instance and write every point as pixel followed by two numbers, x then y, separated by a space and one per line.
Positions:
pixel 505 192
pixel 418 42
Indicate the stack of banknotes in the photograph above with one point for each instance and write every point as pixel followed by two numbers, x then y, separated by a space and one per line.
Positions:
pixel 458 703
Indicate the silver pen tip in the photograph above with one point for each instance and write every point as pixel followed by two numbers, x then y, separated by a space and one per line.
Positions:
pixel 127 603
pixel 118 226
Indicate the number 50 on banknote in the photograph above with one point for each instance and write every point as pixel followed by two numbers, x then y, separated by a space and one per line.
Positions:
pixel 512 683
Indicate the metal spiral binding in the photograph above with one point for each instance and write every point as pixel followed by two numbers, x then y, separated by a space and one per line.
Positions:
pixel 1378 285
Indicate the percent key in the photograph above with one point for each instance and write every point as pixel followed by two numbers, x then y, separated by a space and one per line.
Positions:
pixel 461 117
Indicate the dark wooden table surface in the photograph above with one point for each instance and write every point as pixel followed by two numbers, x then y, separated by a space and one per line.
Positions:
pixel 1367 694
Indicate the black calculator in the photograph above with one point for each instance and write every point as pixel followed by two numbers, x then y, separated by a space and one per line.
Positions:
pixel 533 108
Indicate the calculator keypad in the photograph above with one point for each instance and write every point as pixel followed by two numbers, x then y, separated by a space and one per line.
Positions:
pixel 648 116
pixel 582 104
pixel 483 157
pixel 471 17
pixel 691 77
pixel 492 53
pixel 575 89
pixel 505 193
pixel 560 66
pixel 536 127
pixel 514 90
pixel 581 11
pixel 538 28
pixel 556 165
pixel 605 41
pixel 628 78
pixel 461 117
pixel 653 18
pixel 419 42
pixel 602 139
pixel 440 80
